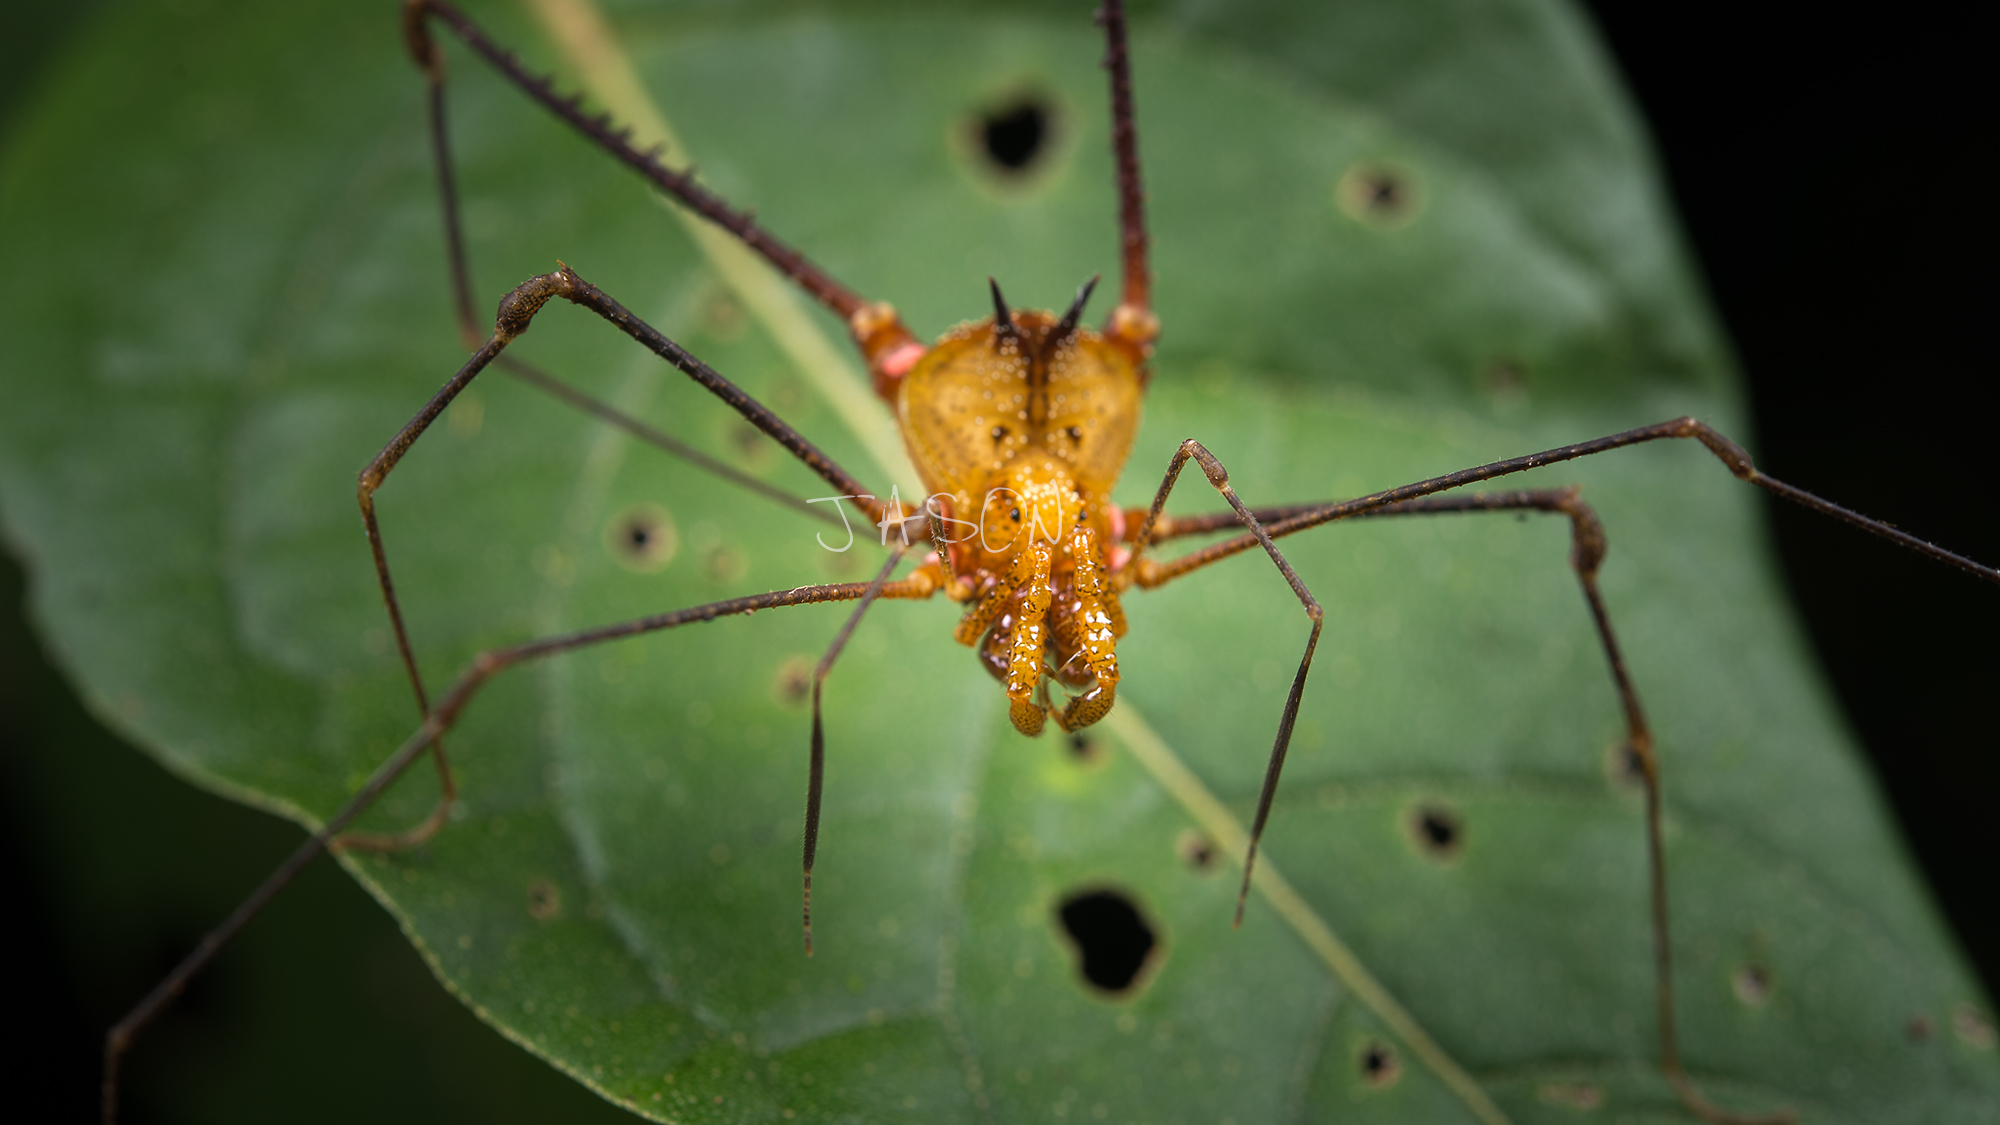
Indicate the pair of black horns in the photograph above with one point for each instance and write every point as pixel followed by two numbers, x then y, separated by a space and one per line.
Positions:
pixel 1003 317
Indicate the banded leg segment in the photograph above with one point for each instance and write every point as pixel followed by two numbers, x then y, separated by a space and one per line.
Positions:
pixel 1588 548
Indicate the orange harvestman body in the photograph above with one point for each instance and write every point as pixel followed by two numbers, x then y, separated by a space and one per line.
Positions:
pixel 1020 426
pixel 1033 417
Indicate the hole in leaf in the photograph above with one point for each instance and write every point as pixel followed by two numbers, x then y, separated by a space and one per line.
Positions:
pixel 793 682
pixel 544 900
pixel 642 538
pixel 1379 194
pixel 1196 850
pixel 1438 831
pixel 1751 984
pixel 1015 135
pixel 1112 940
pixel 1378 1064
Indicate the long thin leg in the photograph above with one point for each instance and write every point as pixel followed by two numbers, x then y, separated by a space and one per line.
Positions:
pixel 1170 527
pixel 1219 477
pixel 659 439
pixel 1132 321
pixel 1588 548
pixel 878 331
pixel 459 264
pixel 516 312
pixel 1419 497
pixel 816 776
pixel 432 63
pixel 450 706
pixel 1586 556
pixel 1148 572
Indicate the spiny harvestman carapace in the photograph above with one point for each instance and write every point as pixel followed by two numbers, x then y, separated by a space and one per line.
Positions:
pixel 1054 554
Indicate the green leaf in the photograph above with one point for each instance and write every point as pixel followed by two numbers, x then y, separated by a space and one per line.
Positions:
pixel 227 292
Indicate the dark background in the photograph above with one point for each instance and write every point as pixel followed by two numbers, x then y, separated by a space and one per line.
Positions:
pixel 1837 183
pixel 1837 179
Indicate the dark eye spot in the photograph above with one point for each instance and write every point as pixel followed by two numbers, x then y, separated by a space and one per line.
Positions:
pixel 999 432
pixel 1015 135
pixel 1075 433
pixel 1014 514
pixel 1111 939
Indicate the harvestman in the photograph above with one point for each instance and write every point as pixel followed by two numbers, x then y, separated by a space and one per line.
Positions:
pixel 1020 425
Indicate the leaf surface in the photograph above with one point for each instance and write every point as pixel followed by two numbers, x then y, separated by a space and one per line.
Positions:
pixel 233 294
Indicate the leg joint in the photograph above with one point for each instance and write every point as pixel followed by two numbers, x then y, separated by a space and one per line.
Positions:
pixel 520 306
pixel 1731 454
pixel 1588 543
pixel 417 37
pixel 1217 475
